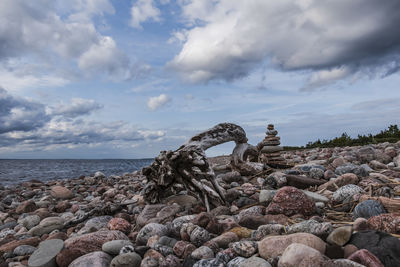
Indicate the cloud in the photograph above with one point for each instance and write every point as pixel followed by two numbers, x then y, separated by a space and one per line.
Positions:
pixel 377 104
pixel 157 102
pixel 230 38
pixel 20 115
pixel 78 107
pixel 26 126
pixel 142 11
pixel 58 34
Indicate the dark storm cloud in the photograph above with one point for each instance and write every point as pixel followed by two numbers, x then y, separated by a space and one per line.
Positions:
pixel 20 115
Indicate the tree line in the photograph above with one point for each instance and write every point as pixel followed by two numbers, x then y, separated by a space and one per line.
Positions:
pixel 391 134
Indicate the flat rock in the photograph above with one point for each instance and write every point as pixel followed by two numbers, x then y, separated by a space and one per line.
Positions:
pixel 273 246
pixel 45 255
pixel 47 225
pixel 97 258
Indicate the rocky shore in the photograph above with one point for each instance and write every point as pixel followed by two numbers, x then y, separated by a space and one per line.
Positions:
pixel 333 207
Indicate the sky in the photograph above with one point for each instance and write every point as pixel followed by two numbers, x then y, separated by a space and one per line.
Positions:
pixel 127 79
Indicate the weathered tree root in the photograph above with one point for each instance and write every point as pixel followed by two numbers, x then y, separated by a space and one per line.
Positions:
pixel 187 169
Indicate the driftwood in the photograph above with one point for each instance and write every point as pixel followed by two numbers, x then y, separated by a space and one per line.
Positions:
pixel 187 170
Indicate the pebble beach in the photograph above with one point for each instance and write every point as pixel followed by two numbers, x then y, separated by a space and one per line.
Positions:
pixel 333 207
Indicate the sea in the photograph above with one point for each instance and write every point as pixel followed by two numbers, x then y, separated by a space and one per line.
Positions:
pixel 14 171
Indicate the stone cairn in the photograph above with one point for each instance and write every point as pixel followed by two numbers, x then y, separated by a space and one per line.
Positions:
pixel 269 149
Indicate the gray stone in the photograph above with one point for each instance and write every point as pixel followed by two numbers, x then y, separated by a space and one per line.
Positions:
pixel 167 241
pixel 131 259
pixel 45 255
pixel 149 230
pixel 255 262
pixel 113 247
pixel 316 173
pixel 24 250
pixel 199 236
pixel 95 224
pixel 267 229
pixel 344 193
pixel 351 168
pixel 271 149
pixel 367 209
pixel 47 225
pixel 266 196
pixel 236 262
pixel 202 252
pixel 97 258
pixel 311 227
pixel 29 221
pixel 245 248
pixel 315 197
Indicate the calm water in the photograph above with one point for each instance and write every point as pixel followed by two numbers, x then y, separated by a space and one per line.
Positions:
pixel 15 170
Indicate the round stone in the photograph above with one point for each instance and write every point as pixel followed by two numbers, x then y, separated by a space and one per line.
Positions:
pixel 113 247
pixel 97 258
pixel 24 250
pixel 45 255
pixel 345 193
pixel 131 259
pixel 245 248
pixel 367 209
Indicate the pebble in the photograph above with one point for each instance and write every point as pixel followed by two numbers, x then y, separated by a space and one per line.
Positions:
pixel 24 250
pixel 255 262
pixel 297 254
pixel 131 259
pixel 149 230
pixel 61 192
pixel 245 248
pixel 29 221
pixel 311 226
pixel 45 255
pixel 344 193
pixel 114 247
pixel 367 209
pixel 202 252
pixel 97 258
pixel 340 236
pixel 290 201
pixel 273 246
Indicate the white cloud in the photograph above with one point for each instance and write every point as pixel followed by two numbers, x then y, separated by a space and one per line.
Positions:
pixel 157 102
pixel 104 56
pixel 230 38
pixel 44 32
pixel 78 107
pixel 326 77
pixel 142 11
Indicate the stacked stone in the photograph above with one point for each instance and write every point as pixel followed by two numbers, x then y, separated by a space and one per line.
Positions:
pixel 269 148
